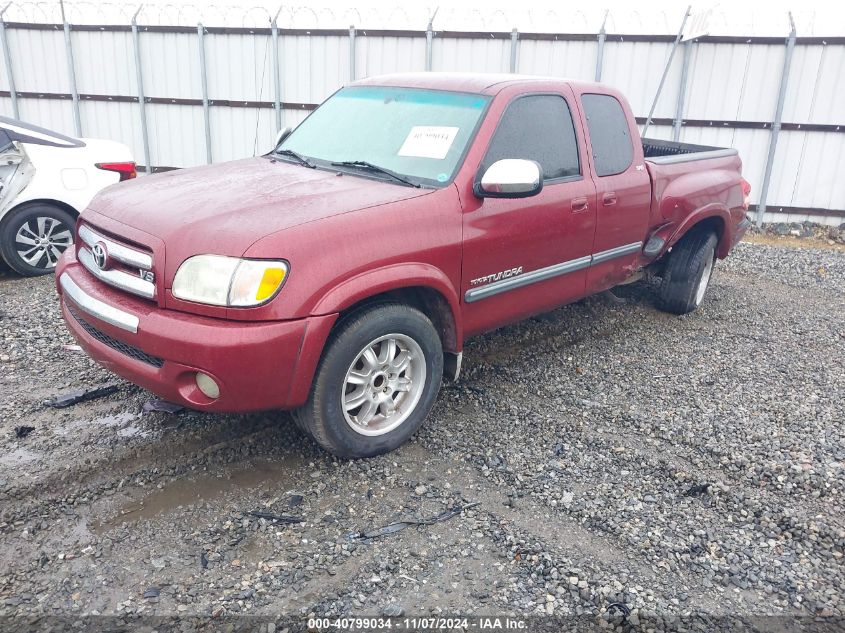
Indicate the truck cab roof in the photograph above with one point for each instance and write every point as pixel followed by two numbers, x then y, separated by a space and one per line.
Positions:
pixel 480 83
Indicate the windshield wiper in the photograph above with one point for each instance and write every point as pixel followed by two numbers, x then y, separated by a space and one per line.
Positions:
pixel 362 164
pixel 295 155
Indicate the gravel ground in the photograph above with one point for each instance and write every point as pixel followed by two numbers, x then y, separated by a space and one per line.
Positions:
pixel 639 470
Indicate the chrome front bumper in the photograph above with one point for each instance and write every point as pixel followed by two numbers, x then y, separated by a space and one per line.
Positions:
pixel 97 308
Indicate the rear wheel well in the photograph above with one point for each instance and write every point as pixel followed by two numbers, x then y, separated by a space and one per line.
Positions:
pixel 427 300
pixel 713 224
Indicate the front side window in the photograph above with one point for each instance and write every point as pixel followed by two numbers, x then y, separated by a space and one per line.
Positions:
pixel 420 134
pixel 609 135
pixel 540 128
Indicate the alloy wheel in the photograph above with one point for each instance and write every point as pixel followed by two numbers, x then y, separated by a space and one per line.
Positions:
pixel 41 240
pixel 383 384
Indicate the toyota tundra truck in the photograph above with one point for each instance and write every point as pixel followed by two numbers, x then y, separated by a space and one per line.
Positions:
pixel 339 275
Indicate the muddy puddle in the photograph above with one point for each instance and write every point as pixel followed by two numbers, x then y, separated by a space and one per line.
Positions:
pixel 277 477
pixel 18 457
pixel 122 421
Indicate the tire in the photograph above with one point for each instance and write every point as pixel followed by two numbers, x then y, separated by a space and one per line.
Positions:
pixel 688 272
pixel 405 373
pixel 31 222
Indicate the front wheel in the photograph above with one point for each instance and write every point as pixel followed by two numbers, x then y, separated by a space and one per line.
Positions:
pixel 34 236
pixel 376 383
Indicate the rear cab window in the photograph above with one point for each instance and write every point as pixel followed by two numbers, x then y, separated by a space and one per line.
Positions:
pixel 610 138
pixel 540 128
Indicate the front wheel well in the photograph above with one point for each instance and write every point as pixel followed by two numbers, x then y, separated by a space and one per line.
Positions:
pixel 427 300
pixel 64 206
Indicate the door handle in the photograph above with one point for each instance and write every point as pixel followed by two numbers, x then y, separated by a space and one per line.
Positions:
pixel 609 198
pixel 579 205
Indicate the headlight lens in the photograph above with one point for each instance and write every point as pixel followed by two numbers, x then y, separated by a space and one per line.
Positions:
pixel 229 281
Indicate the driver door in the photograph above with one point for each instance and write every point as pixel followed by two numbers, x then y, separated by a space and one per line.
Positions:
pixel 528 255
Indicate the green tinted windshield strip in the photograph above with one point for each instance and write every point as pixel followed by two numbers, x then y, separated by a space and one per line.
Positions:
pixel 416 95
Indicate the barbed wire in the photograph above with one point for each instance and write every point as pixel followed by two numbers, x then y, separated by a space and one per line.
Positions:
pixel 476 18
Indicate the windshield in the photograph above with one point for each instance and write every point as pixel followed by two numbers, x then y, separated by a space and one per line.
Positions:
pixel 420 134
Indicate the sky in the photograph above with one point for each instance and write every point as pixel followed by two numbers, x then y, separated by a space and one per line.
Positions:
pixel 737 17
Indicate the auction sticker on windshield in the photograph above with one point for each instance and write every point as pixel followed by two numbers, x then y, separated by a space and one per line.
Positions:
pixel 429 141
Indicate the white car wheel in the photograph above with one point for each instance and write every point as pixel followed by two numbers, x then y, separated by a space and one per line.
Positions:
pixel 34 237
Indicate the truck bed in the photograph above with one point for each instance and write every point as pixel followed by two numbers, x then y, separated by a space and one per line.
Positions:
pixel 666 152
pixel 682 175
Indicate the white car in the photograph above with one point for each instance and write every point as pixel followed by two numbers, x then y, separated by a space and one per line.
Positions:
pixel 46 180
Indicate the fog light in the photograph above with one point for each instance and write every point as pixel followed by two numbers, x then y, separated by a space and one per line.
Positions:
pixel 207 385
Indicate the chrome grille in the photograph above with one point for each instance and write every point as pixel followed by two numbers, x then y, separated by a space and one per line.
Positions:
pixel 135 260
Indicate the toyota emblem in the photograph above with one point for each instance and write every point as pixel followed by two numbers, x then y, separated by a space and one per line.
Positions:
pixel 101 255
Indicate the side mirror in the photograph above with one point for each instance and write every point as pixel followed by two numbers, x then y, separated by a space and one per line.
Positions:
pixel 511 178
pixel 282 135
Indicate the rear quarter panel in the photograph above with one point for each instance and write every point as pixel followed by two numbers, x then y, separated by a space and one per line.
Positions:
pixel 69 175
pixel 689 192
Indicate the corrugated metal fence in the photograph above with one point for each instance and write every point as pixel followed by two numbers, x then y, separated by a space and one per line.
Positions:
pixel 219 93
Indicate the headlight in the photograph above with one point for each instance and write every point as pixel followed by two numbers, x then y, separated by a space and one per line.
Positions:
pixel 229 281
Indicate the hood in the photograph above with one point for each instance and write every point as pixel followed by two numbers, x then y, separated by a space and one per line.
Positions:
pixel 224 208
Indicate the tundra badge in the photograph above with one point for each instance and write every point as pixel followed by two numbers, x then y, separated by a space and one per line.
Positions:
pixel 497 276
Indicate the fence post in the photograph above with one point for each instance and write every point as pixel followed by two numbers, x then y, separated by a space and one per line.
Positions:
pixel 666 70
pixel 77 120
pixel 352 53
pixel 205 102
pixel 682 90
pixel 773 141
pixel 600 51
pixel 277 84
pixel 142 100
pixel 429 40
pixel 7 55
pixel 514 41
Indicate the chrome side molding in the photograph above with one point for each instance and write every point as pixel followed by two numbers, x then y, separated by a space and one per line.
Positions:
pixel 613 253
pixel 97 308
pixel 549 272
pixel 512 283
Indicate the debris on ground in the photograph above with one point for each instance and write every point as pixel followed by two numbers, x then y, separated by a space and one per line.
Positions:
pixel 204 560
pixel 162 406
pixel 295 500
pixel 697 490
pixel 393 610
pixel 22 431
pixel 152 592
pixel 71 348
pixel 619 607
pixel 398 526
pixel 82 395
pixel 280 518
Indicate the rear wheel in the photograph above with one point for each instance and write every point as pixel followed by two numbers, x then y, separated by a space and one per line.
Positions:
pixel 34 236
pixel 376 382
pixel 688 271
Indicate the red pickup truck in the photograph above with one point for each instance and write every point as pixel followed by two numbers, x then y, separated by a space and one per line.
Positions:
pixel 339 275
